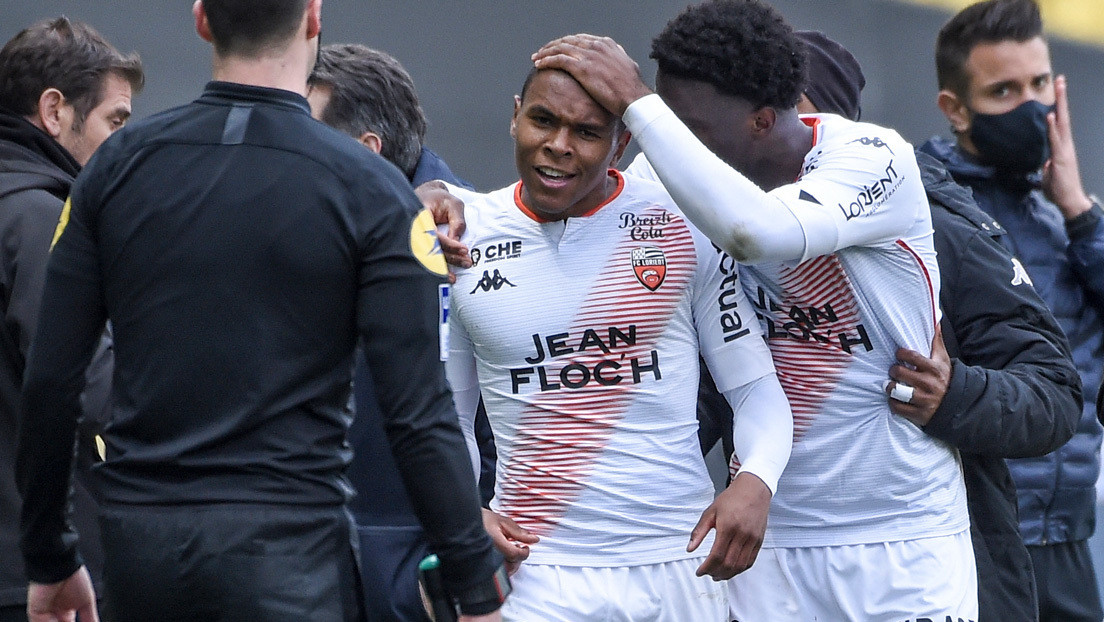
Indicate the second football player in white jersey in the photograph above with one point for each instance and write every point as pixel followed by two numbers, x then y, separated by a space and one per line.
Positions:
pixel 831 220
pixel 581 321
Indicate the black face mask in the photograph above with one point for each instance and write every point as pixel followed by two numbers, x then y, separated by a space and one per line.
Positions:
pixel 1015 141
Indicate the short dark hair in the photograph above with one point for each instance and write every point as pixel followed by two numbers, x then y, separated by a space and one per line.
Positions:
pixel 250 27
pixel 67 55
pixel 991 21
pixel 743 48
pixel 372 92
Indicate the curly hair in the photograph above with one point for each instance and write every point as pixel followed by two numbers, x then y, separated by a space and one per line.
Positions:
pixel 743 48
pixel 992 21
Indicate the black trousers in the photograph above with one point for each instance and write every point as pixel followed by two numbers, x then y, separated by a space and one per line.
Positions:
pixel 230 562
pixel 1067 582
pixel 389 559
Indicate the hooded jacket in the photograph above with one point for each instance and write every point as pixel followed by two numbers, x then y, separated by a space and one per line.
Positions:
pixel 1014 391
pixel 35 176
pixel 1056 492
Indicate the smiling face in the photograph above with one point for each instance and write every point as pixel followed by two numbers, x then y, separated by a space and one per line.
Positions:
pixel 565 143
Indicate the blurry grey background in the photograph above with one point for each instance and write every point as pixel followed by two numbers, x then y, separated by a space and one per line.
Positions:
pixel 468 59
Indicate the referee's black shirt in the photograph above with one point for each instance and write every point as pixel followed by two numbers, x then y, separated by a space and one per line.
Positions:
pixel 239 247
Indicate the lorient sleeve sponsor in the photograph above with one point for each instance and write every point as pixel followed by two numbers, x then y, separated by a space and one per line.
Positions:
pixel 840 201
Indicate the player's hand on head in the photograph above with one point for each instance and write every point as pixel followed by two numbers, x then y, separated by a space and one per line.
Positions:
pixel 448 211
pixel 511 539
pixel 600 65
pixel 739 515
pixel 919 383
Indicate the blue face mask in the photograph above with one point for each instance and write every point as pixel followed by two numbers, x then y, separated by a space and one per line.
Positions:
pixel 1015 141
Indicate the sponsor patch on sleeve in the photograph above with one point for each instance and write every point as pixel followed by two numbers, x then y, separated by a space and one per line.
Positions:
pixel 62 222
pixel 424 244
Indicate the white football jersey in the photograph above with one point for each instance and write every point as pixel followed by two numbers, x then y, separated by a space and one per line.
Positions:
pixel 585 335
pixel 867 285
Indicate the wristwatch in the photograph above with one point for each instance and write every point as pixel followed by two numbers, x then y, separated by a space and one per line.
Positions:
pixel 487 595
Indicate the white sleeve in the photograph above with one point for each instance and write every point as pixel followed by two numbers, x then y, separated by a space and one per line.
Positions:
pixel 731 342
pixel 730 338
pixel 762 429
pixel 737 215
pixel 867 192
pixel 460 369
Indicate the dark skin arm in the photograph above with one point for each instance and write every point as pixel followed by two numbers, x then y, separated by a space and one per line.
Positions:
pixel 739 515
pixel 929 378
pixel 446 210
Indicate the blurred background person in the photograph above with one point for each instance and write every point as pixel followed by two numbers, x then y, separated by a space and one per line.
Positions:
pixel 1013 147
pixel 63 90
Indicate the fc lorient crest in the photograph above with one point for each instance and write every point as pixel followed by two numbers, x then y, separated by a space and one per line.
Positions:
pixel 650 266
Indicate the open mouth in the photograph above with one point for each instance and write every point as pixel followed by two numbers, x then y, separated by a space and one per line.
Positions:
pixel 553 177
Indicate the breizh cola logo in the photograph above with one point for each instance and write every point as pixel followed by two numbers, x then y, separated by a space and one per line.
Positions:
pixel 650 265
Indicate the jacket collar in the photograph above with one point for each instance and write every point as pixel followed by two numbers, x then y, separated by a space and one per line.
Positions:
pixel 943 190
pixel 38 145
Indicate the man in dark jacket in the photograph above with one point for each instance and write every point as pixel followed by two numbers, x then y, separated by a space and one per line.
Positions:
pixel 368 95
pixel 63 90
pixel 1011 390
pixel 1014 149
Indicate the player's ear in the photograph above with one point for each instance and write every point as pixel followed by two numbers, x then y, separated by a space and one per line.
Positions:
pixel 762 120
pixel 619 148
pixel 513 119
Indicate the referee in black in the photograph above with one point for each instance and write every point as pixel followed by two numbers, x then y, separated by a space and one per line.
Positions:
pixel 239 248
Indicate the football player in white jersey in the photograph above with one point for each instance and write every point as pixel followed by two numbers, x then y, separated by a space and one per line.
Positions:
pixel 581 321
pixel 831 221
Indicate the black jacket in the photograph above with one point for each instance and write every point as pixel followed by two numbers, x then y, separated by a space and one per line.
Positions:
pixel 35 176
pixel 1014 391
pixel 240 248
pixel 1056 492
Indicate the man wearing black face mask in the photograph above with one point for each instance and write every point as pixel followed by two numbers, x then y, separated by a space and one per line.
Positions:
pixel 1013 147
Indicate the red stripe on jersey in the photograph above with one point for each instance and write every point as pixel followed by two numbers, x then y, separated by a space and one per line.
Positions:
pixel 818 306
pixel 563 432
pixel 927 275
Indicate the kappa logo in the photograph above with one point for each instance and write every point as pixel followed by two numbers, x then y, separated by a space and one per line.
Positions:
pixel 650 265
pixel 1019 274
pixel 491 281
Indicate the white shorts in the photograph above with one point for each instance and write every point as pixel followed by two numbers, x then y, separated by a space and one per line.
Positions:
pixel 666 592
pixel 908 581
